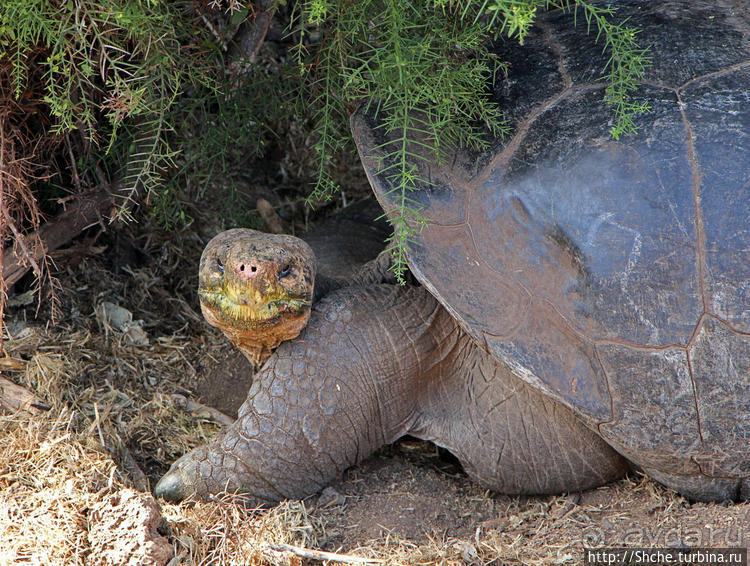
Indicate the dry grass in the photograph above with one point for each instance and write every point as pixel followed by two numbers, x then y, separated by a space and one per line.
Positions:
pixel 49 478
pixel 113 424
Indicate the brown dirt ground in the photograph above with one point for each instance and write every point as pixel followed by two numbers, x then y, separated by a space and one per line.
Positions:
pixel 112 425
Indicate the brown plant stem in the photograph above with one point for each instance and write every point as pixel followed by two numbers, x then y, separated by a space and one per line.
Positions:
pixel 55 233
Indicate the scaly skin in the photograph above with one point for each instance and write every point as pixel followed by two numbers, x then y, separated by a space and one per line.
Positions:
pixel 257 288
pixel 376 363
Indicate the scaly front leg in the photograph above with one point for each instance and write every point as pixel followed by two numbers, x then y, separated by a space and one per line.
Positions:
pixel 326 400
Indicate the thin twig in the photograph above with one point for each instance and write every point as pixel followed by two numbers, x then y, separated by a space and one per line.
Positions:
pixel 201 410
pixel 20 240
pixel 73 167
pixel 3 286
pixel 14 398
pixel 140 481
pixel 321 555
pixel 9 220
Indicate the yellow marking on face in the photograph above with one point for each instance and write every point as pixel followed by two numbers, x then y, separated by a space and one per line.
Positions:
pixel 231 305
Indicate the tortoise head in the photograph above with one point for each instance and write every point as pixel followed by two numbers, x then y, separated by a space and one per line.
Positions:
pixel 257 288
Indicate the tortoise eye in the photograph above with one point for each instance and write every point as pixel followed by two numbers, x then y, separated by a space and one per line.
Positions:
pixel 284 271
pixel 220 264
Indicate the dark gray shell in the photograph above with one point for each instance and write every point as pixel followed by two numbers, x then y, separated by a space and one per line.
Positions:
pixel 612 275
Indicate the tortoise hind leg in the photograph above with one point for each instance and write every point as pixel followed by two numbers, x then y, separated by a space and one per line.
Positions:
pixel 700 487
pixel 509 436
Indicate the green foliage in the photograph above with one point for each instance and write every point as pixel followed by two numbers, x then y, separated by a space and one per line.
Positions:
pixel 626 65
pixel 425 69
pixel 100 67
pixel 424 65
pixel 129 76
pixel 220 128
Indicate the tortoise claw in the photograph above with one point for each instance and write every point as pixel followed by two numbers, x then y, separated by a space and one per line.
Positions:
pixel 173 487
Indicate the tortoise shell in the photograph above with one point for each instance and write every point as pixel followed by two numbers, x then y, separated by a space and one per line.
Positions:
pixel 613 275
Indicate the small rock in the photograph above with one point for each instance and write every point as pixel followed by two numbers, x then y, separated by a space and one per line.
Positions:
pixel 329 497
pixel 468 552
pixel 120 319
pixel 16 328
pixel 115 316
pixel 22 300
pixel 135 335
pixel 123 531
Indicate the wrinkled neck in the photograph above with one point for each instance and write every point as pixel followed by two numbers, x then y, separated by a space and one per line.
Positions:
pixel 258 342
pixel 325 284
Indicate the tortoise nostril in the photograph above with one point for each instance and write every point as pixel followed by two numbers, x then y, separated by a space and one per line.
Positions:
pixel 253 268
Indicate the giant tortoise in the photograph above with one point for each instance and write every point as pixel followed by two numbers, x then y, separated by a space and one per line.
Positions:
pixel 584 302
